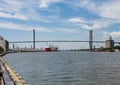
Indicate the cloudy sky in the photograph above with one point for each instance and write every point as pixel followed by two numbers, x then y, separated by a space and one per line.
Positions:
pixel 60 20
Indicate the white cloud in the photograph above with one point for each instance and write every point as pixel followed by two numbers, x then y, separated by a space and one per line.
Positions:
pixel 109 9
pixel 96 24
pixel 43 4
pixel 14 26
pixel 85 26
pixel 42 29
pixel 91 24
pixel 24 10
pixel 13 9
pixel 46 3
pixel 68 30
pixel 15 16
pixel 12 6
pixel 76 20
pixel 101 23
pixel 86 3
pixel 23 27
pixel 115 34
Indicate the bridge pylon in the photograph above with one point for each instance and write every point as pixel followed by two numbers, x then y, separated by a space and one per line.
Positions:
pixel 33 38
pixel 90 40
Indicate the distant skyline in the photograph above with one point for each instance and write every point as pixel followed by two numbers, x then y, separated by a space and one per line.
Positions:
pixel 59 20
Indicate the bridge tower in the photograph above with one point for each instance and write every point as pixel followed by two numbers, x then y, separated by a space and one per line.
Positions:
pixel 90 40
pixel 33 38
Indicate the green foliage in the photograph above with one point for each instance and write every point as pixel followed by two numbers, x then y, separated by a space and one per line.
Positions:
pixel 117 47
pixel 1 49
pixel 109 49
pixel 106 49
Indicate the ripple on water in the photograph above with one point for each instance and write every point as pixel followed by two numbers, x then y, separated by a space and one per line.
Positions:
pixel 67 68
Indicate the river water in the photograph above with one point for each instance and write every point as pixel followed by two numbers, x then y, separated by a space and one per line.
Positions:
pixel 67 68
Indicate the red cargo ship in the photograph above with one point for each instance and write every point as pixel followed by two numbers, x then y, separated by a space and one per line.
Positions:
pixel 50 48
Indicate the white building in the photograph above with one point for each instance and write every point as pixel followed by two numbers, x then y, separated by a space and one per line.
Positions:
pixel 110 43
pixel 4 44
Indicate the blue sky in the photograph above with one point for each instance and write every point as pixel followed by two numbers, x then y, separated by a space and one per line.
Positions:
pixel 59 20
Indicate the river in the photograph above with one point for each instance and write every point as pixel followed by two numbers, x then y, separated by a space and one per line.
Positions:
pixel 67 68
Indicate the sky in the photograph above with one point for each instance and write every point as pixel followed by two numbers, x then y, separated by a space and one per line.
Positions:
pixel 59 20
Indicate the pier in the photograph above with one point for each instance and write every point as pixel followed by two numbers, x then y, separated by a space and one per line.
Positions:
pixel 9 75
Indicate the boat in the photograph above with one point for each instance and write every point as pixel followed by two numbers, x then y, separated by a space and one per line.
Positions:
pixel 50 48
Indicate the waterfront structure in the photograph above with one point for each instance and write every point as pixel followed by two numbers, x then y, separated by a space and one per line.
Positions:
pixel 4 44
pixel 90 39
pixel 110 42
pixel 8 76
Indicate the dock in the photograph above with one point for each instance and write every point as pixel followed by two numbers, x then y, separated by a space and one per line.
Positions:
pixel 8 76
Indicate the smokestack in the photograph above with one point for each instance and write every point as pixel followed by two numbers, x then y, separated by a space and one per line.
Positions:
pixel 33 38
pixel 90 40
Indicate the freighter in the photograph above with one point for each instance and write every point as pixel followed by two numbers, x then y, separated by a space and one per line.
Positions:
pixel 50 48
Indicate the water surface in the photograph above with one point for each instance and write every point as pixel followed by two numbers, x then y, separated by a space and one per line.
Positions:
pixel 67 68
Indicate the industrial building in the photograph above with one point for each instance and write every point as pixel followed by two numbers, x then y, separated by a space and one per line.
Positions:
pixel 4 44
pixel 110 43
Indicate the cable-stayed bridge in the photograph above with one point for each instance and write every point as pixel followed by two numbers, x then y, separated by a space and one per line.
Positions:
pixel 90 41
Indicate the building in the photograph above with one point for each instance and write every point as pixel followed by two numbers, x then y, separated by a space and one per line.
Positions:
pixel 4 44
pixel 109 43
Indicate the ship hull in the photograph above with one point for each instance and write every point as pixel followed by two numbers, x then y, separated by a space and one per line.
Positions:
pixel 50 48
pixel 47 49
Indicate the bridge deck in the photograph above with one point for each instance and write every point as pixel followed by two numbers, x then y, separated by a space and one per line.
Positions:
pixel 59 41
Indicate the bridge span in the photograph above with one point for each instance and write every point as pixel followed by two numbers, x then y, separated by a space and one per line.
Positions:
pixel 60 41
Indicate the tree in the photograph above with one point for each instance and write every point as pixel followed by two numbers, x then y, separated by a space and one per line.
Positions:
pixel 1 50
pixel 117 47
